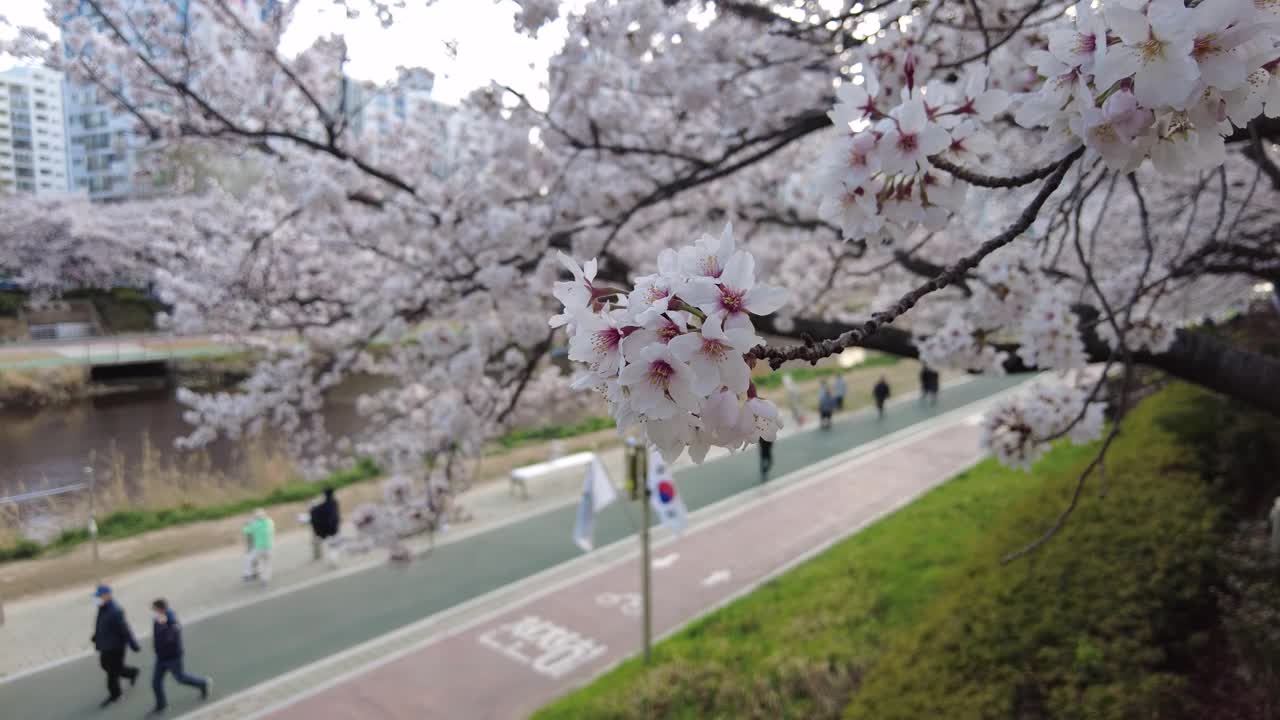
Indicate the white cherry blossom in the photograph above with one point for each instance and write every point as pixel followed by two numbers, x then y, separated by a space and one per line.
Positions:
pixel 909 138
pixel 736 293
pixel 1155 50
pixel 659 384
pixel 715 354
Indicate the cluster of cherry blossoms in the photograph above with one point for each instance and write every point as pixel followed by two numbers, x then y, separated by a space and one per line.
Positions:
pixel 1020 428
pixel 1013 300
pixel 876 180
pixel 672 355
pixel 1137 79
pixel 1131 80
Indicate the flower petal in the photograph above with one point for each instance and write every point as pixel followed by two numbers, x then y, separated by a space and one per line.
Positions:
pixel 1130 25
pixel 735 374
pixel 764 299
pixel 740 272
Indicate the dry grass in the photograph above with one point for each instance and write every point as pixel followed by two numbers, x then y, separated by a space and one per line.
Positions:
pixel 155 481
pixel 159 480
pixel 42 386
pixel 11 329
pixel 21 356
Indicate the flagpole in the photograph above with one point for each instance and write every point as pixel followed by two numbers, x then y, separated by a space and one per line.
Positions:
pixel 646 587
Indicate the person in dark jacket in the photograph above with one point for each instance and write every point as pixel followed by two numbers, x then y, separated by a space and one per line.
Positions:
pixel 881 393
pixel 112 638
pixel 766 458
pixel 928 385
pixel 326 521
pixel 167 634
pixel 826 405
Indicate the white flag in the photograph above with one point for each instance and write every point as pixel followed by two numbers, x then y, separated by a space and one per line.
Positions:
pixel 597 493
pixel 663 496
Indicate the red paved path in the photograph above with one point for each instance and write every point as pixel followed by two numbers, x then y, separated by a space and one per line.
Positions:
pixel 514 663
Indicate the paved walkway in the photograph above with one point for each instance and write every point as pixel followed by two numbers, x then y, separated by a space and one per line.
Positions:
pixel 268 634
pixel 514 662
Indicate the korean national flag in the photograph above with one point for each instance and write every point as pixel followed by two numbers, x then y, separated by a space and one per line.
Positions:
pixel 664 497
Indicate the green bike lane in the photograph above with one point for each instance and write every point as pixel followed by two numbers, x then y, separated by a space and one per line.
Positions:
pixel 252 644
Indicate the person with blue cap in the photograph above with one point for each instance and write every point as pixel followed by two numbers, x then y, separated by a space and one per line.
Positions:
pixel 112 638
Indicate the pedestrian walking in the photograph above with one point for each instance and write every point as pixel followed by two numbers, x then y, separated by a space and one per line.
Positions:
pixel 766 459
pixel 881 393
pixel 326 522
pixel 112 638
pixel 826 406
pixel 839 389
pixel 166 633
pixel 928 385
pixel 793 398
pixel 260 532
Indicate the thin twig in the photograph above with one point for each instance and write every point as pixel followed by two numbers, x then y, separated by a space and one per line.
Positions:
pixel 825 348
pixel 1084 476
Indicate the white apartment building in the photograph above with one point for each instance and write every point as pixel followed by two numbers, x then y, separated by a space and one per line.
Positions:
pixel 33 134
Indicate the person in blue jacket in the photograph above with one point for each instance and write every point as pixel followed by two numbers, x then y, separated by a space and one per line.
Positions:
pixel 167 633
pixel 112 638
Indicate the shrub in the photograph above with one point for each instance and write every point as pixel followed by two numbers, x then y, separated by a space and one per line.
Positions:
pixel 20 550
pixel 10 303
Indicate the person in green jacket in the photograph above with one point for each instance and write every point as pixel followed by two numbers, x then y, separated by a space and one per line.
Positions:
pixel 260 533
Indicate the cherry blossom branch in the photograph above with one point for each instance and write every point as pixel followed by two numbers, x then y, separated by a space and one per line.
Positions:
pixel 986 52
pixel 992 181
pixel 1258 154
pixel 535 355
pixel 815 351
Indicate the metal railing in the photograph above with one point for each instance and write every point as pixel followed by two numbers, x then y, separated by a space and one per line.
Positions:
pixel 27 497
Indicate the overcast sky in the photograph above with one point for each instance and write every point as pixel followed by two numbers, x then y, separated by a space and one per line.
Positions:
pixel 488 47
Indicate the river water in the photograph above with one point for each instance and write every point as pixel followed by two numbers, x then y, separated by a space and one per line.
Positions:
pixel 50 447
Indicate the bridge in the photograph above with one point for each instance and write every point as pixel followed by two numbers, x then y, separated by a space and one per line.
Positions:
pixel 111 351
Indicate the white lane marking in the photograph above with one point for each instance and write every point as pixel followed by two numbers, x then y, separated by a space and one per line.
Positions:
pixel 665 561
pixel 717 577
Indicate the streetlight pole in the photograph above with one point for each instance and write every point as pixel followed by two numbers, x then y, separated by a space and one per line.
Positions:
pixel 93 520
pixel 638 470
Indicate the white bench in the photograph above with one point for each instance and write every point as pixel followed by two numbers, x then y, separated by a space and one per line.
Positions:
pixel 520 477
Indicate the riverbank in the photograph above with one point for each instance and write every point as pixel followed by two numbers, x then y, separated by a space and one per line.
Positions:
pixel 166 532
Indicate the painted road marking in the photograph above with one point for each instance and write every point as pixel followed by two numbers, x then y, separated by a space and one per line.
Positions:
pixel 665 561
pixel 560 650
pixel 717 577
pixel 627 603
